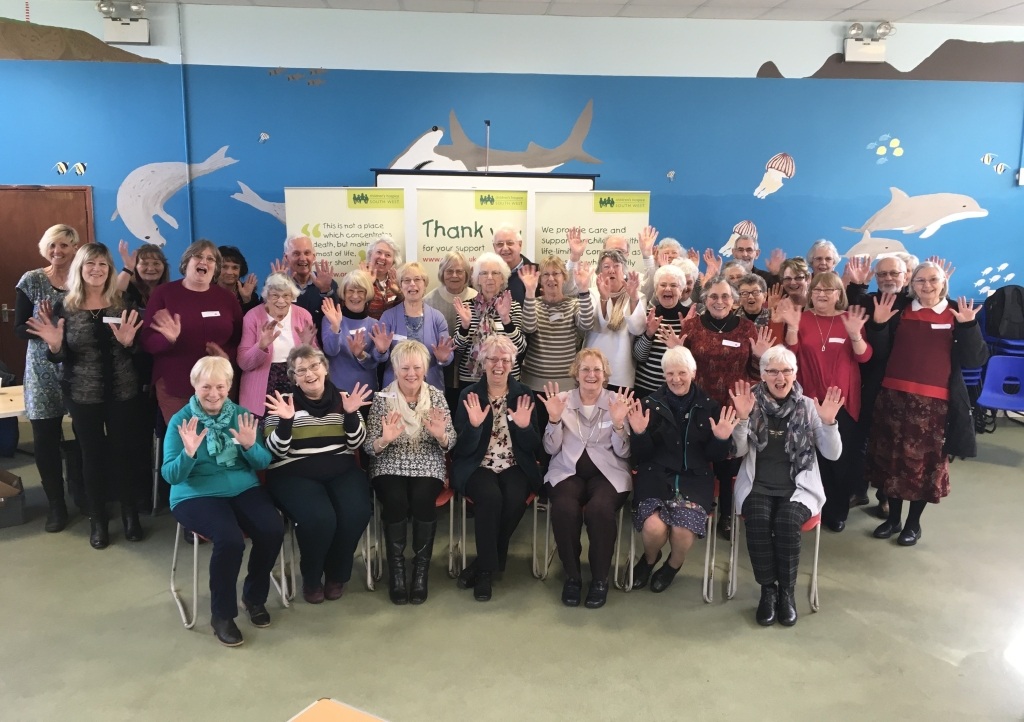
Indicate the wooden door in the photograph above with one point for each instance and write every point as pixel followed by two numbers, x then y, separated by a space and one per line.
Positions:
pixel 25 213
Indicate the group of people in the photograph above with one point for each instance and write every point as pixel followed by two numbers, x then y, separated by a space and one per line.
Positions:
pixel 511 379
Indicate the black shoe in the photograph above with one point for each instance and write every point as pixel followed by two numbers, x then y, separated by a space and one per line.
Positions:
pixel 597 595
pixel 482 588
pixel 467 577
pixel 132 527
pixel 909 537
pixel 836 526
pixel 886 529
pixel 99 535
pixel 766 608
pixel 571 591
pixel 787 608
pixel 226 631
pixel 57 519
pixel 423 548
pixel 859 500
pixel 258 614
pixel 394 543
pixel 642 571
pixel 662 579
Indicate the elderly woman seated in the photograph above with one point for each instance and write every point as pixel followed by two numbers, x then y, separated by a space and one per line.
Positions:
pixel 211 454
pixel 676 433
pixel 494 461
pixel 269 332
pixel 409 431
pixel 314 477
pixel 778 487
pixel 588 478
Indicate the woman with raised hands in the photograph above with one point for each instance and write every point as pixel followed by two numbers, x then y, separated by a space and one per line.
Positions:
pixel 778 487
pixel 453 273
pixel 922 414
pixel 409 431
pixel 346 332
pixel 588 476
pixel 619 315
pixel 675 434
pixel 382 258
pixel 314 477
pixel 662 328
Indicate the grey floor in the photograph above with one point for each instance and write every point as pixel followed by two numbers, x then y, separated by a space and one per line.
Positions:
pixel 926 633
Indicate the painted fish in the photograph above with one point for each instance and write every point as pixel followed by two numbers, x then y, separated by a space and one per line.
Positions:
pixel 1000 168
pixel 275 71
pixel 264 137
pixel 79 168
pixel 61 167
pixel 317 71
pixel 1002 266
pixel 987 271
pixel 315 81
pixel 295 76
pixel 872 146
pixel 994 278
pixel 988 158
pixel 986 290
pixel 1009 277
pixel 884 138
pixel 881 160
pixel 979 282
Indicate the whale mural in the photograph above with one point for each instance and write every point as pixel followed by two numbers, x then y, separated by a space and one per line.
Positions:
pixel 143 193
pixel 923 214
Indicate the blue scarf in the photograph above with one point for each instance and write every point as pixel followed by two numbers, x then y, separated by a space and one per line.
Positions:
pixel 219 442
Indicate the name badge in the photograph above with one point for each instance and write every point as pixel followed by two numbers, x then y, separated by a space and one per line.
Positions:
pixel 400 337
pixel 941 326
pixel 354 331
pixel 834 339
pixel 555 317
pixel 235 441
pixel 605 424
pixel 511 418
pixel 386 394
pixel 211 314
pixel 111 319
pixel 731 344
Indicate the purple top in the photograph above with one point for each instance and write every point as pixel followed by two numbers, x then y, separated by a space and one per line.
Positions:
pixel 434 329
pixel 346 370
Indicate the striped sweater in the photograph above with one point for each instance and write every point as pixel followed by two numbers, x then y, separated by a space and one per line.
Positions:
pixel 554 329
pixel 647 351
pixel 466 340
pixel 311 446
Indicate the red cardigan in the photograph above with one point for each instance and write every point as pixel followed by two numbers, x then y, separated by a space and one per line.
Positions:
pixel 837 365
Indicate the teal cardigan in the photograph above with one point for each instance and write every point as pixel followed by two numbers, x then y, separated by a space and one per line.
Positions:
pixel 193 477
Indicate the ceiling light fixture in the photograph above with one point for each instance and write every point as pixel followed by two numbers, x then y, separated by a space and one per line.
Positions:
pixel 884 29
pixel 855 31
pixel 106 8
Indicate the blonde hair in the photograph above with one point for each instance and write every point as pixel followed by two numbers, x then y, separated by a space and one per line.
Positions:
pixel 620 301
pixel 358 278
pixel 212 367
pixel 57 233
pixel 76 284
pixel 574 367
pixel 828 279
pixel 414 267
pixel 413 419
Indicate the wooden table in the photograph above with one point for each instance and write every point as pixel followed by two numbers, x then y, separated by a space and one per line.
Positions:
pixel 330 710
pixel 12 401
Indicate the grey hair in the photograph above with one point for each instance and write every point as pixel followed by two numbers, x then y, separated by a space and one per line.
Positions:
pixel 688 267
pixel 893 257
pixel 670 270
pixel 714 282
pixel 669 243
pixel 679 356
pixel 942 274
pixel 494 258
pixel 752 279
pixel 212 367
pixel 495 341
pixel 450 259
pixel 280 282
pixel 506 227
pixel 294 237
pixel 778 353
pixel 390 243
pixel 826 244
pixel 752 239
pixel 305 351
pixel 910 261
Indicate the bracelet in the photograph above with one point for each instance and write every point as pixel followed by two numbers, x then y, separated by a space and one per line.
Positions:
pixel 618 428
pixel 855 340
pixel 129 271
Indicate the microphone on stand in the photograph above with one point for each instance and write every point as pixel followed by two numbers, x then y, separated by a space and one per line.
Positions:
pixel 487 147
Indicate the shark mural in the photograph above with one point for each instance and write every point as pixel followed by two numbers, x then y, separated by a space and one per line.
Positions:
pixel 142 195
pixel 251 198
pixel 927 213
pixel 874 247
pixel 427 153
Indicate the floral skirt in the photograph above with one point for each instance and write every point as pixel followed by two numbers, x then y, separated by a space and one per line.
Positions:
pixel 905 455
pixel 685 514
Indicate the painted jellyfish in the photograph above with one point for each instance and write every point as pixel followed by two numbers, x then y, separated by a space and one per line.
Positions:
pixel 780 166
pixel 745 229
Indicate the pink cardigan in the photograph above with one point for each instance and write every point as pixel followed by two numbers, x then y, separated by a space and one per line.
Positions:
pixel 255 362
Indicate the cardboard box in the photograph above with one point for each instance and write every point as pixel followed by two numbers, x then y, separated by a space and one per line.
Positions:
pixel 12 500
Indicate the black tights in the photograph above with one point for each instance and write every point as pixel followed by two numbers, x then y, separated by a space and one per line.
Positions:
pixel 913 516
pixel 401 496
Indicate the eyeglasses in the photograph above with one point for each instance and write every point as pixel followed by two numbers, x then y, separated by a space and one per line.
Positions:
pixel 496 360
pixel 208 259
pixel 794 279
pixel 312 368
pixel 550 274
pixel 935 281
pixel 748 294
pixel 825 291
pixel 488 274
pixel 774 373
pixel 888 274
pixel 277 296
pixel 505 244
pixel 714 297
pixel 413 279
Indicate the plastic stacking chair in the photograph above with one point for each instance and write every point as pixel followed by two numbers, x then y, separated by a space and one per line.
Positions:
pixel 1003 389
pixel 189 620
pixel 625 583
pixel 814 523
pixel 458 562
pixel 542 563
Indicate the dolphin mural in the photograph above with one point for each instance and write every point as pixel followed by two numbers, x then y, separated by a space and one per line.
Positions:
pixel 426 153
pixel 249 197
pixel 145 190
pixel 928 213
pixel 874 247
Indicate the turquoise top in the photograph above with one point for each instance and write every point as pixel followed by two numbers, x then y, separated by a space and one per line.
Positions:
pixel 192 477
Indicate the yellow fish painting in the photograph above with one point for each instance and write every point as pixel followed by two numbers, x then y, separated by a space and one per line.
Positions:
pixel 988 158
pixel 79 168
pixel 61 167
pixel 1000 168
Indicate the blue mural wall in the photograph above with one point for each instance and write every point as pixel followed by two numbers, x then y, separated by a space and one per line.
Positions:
pixel 714 136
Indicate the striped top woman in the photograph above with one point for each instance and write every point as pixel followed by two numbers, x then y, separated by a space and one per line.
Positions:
pixel 664 322
pixel 554 323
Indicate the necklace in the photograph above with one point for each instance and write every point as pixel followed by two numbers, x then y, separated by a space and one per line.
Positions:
pixel 590 423
pixel 823 341
pixel 721 329
pixel 95 314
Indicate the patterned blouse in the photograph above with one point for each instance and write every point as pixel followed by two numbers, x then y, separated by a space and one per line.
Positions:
pixel 44 398
pixel 97 367
pixel 499 454
pixel 405 456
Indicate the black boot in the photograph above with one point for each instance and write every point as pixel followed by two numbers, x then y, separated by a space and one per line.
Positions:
pixel 787 607
pixel 423 548
pixel 394 540
pixel 766 608
pixel 99 535
pixel 132 526
pixel 57 519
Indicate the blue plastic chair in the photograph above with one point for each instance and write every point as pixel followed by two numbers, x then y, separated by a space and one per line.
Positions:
pixel 1003 389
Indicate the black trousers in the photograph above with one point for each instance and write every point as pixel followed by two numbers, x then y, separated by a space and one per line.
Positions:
pixel 402 496
pixel 773 537
pixel 330 517
pixel 226 521
pixel 105 432
pixel 499 501
pixel 591 499
pixel 845 475
pixel 46 438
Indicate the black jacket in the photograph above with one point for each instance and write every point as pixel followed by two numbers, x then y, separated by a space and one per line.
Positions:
pixel 969 351
pixel 659 453
pixel 515 283
pixel 471 445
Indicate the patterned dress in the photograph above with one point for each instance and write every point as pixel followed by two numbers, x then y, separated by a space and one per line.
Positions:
pixel 43 396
